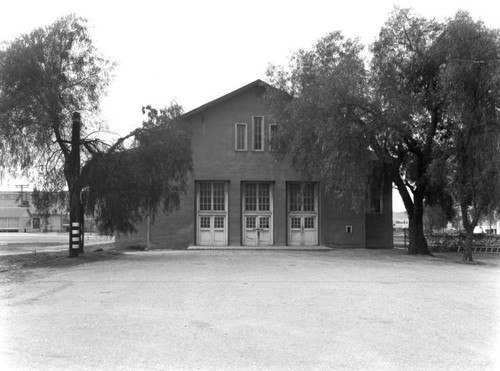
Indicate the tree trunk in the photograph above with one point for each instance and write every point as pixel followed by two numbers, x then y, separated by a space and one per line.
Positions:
pixel 467 256
pixel 469 232
pixel 418 243
pixel 82 229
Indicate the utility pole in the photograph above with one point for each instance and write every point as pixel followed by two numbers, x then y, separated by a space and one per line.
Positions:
pixel 74 191
pixel 22 186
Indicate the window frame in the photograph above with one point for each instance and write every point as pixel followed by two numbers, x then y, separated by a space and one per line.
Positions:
pixel 259 197
pixel 262 135
pixel 245 142
pixel 301 196
pixel 212 210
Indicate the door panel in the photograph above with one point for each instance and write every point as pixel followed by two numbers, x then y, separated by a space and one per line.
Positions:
pixel 302 230
pixel 257 218
pixel 257 231
pixel 302 207
pixel 212 208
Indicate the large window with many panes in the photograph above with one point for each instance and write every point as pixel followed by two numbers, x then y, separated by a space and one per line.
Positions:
pixel 257 197
pixel 301 198
pixel 212 196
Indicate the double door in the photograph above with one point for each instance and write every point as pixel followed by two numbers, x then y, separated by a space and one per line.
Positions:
pixel 303 230
pixel 212 218
pixel 257 199
pixel 302 214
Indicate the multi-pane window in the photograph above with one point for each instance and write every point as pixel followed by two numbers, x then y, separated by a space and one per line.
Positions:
pixel 240 137
pixel 219 222
pixel 295 223
pixel 301 198
pixel 257 197
pixel 273 128
pixel 212 196
pixel 251 197
pixel 264 222
pixel 258 133
pixel 205 222
pixel 264 197
pixel 251 222
pixel 219 200
pixel 308 198
pixel 309 222
pixel 205 196
pixel 295 200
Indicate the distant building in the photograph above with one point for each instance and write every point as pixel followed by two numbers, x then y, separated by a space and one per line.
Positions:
pixel 17 214
pixel 240 195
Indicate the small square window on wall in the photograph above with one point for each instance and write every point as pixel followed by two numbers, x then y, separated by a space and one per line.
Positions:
pixel 258 133
pixel 348 229
pixel 240 137
pixel 273 128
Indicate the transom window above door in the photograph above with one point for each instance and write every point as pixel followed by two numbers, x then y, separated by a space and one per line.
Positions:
pixel 212 196
pixel 302 197
pixel 257 197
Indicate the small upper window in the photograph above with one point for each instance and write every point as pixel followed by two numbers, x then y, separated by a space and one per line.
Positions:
pixel 240 137
pixel 258 133
pixel 272 136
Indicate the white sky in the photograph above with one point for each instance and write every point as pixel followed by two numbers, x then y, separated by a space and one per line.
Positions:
pixel 195 51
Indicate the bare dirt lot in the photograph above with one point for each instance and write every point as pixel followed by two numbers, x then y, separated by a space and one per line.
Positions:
pixel 240 310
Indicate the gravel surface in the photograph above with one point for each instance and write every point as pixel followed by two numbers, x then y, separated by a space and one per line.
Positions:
pixel 254 310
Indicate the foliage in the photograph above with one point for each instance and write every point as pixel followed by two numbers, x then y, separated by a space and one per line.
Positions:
pixel 121 188
pixel 435 218
pixel 317 105
pixel 338 118
pixel 45 76
pixel 471 79
pixel 419 99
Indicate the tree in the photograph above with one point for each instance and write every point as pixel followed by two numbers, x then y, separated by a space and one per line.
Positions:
pixel 121 188
pixel 334 115
pixel 471 80
pixel 49 77
pixel 435 218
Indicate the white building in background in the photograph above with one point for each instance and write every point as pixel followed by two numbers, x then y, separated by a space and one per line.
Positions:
pixel 17 214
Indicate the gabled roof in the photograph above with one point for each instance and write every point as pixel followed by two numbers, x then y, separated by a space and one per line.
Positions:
pixel 14 212
pixel 225 97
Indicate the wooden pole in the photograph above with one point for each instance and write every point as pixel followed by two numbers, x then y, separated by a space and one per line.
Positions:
pixel 74 184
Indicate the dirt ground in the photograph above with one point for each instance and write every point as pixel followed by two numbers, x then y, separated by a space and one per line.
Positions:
pixel 251 310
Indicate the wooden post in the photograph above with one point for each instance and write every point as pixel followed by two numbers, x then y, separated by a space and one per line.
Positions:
pixel 75 205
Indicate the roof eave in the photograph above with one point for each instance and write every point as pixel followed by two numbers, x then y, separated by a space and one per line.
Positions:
pixel 214 102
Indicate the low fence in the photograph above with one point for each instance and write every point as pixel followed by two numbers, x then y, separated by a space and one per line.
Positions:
pixel 445 242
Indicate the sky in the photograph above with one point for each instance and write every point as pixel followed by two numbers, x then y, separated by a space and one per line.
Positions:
pixel 194 51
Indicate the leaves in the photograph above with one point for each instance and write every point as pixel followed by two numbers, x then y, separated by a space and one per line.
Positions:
pixel 45 76
pixel 123 187
pixel 317 107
